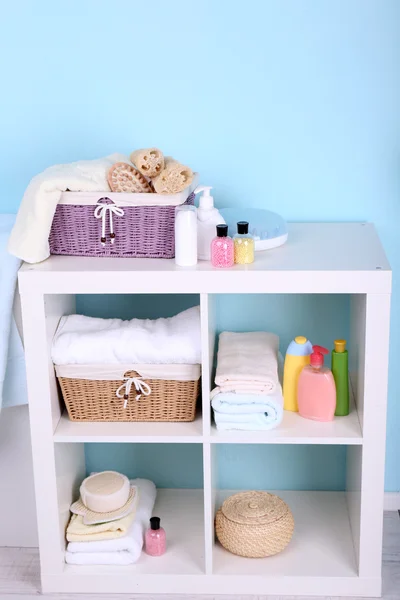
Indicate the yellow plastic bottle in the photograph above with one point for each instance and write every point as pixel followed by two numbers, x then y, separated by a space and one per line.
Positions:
pixel 297 357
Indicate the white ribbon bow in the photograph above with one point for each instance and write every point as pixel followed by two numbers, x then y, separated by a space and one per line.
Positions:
pixel 140 385
pixel 100 212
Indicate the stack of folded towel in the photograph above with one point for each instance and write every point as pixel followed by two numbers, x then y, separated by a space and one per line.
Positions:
pixel 89 340
pixel 109 520
pixel 248 395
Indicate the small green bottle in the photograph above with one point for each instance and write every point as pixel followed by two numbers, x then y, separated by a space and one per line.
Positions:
pixel 340 371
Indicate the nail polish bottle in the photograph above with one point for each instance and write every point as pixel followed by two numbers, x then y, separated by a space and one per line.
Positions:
pixel 155 538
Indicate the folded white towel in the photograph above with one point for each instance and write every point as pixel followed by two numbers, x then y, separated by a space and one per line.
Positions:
pixel 248 362
pixel 247 411
pixel 91 341
pixel 124 550
pixel 29 238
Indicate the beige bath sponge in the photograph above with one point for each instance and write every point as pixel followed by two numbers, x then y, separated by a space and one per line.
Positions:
pixel 150 161
pixel 122 177
pixel 174 178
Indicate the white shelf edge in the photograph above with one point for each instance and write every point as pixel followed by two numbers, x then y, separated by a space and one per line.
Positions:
pixel 125 432
pixel 73 432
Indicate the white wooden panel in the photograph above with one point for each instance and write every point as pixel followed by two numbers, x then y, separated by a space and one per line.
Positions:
pixel 374 432
pixel 208 507
pixel 356 349
pixel 152 433
pixel 55 307
pixel 70 472
pixel 357 264
pixel 353 495
pixel 40 409
pixel 206 360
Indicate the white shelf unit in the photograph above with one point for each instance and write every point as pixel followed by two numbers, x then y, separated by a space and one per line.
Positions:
pixel 336 548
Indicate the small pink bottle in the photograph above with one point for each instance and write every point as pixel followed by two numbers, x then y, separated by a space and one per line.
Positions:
pixel 155 538
pixel 316 391
pixel 222 253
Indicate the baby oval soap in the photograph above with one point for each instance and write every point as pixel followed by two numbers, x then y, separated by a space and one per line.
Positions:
pixel 254 524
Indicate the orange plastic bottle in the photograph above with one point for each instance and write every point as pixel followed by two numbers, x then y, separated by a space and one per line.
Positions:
pixel 316 393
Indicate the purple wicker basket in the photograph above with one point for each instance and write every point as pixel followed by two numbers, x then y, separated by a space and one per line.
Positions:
pixel 141 231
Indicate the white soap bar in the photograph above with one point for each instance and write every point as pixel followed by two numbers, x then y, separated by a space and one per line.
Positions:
pixel 105 492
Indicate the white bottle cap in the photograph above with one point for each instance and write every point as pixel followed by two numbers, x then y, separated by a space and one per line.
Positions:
pixel 206 201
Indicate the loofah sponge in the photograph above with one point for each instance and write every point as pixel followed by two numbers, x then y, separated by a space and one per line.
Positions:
pixel 150 161
pixel 122 177
pixel 174 178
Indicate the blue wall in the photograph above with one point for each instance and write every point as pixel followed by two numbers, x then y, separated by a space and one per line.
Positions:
pixel 286 104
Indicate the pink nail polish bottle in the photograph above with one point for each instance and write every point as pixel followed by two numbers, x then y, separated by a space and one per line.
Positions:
pixel 155 538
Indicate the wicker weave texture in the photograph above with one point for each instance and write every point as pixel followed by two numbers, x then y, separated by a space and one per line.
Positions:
pixel 170 400
pixel 142 232
pixel 254 524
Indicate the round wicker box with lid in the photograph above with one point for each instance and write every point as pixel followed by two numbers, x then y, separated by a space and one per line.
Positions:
pixel 254 524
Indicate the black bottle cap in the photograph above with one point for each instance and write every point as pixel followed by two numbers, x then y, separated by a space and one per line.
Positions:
pixel 155 523
pixel 243 227
pixel 222 230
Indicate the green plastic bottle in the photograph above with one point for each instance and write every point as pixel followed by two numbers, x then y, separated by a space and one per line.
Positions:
pixel 340 370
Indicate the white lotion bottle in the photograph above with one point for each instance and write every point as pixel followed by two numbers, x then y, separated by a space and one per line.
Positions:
pixel 208 217
pixel 186 235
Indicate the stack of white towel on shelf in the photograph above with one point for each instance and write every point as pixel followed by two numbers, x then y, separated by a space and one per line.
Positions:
pixel 248 395
pixel 90 341
pixel 118 542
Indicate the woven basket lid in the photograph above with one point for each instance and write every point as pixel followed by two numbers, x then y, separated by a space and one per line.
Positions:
pixel 254 508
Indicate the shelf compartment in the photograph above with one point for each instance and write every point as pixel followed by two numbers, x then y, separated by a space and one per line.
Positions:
pixel 296 430
pixel 148 432
pixel 322 543
pixel 182 516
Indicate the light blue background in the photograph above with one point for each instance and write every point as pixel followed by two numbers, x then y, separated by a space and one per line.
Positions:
pixel 292 105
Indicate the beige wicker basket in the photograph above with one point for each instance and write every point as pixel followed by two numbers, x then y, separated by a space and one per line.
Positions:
pixel 104 393
pixel 254 524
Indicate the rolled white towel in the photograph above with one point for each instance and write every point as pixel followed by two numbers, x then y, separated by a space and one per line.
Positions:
pixel 121 551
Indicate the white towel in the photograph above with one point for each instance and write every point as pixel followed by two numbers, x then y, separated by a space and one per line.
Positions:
pixel 121 551
pixel 248 362
pixel 29 239
pixel 247 411
pixel 12 360
pixel 91 341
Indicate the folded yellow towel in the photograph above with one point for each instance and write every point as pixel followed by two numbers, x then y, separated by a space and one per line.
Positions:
pixel 77 531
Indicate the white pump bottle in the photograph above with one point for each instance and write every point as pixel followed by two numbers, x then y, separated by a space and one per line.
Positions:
pixel 208 217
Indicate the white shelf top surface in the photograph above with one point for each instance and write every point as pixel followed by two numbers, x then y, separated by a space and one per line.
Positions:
pixel 182 516
pixel 293 430
pixel 296 430
pixel 73 431
pixel 321 546
pixel 336 251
